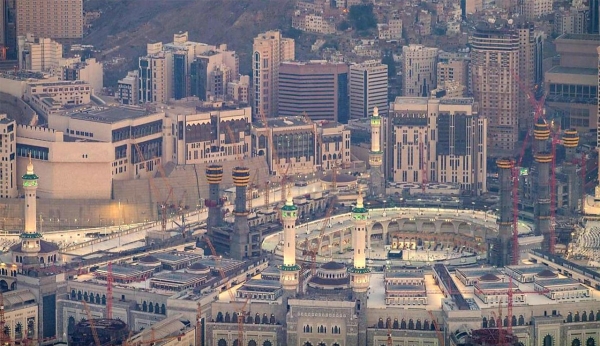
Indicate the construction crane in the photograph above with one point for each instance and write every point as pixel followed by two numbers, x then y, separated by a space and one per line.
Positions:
pixel 438 333
pixel 242 310
pixel 583 181
pixel 310 253
pixel 3 336
pixel 555 140
pixel 423 162
pixel 91 321
pixel 163 204
pixel 109 291
pixel 515 201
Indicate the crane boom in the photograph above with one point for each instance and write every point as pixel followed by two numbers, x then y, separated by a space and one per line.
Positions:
pixel 109 291
pixel 92 325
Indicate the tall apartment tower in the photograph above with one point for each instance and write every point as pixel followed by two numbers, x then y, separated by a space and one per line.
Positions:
pixel 270 49
pixel 317 88
pixel 419 74
pixel 8 174
pixel 360 274
pixel 368 89
pixel 290 271
pixel 376 156
pixel 50 18
pixel 3 15
pixel 494 61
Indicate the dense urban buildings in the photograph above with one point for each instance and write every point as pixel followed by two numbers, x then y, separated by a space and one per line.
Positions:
pixel 39 54
pixel 270 49
pixel 50 18
pixel 419 74
pixel 368 89
pixel 437 141
pixel 316 88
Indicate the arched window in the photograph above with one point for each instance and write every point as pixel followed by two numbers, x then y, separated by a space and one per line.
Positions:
pixel 272 319
pixel 569 317
pixel 308 344
pixel 98 301
pixel 267 343
pixel 85 296
pixel 18 331
pixel 411 324
pixel 252 343
pixel 513 320
pixel 71 325
pixel 73 294
pixel 150 307
pixel 576 317
pixel 222 342
pixel 418 325
pixel 236 342
pixel 256 319
pixel 584 316
pixel 321 344
pixel 380 323
pixel 388 323
pixel 591 316
pixel 30 328
pixel 265 319
pixel 156 308
pixel 396 324
pixel 220 317
pixel 590 342
pixel 548 341
pixel 227 317
pixel 426 325
pixel 403 324
pixel 144 306
pixel 521 320
pixel 576 342
pixel 163 309
pixel 7 330
pixel 484 323
pixel 492 323
pixel 103 299
pixel 598 315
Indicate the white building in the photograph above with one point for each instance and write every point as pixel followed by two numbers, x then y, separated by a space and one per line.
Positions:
pixel 437 140
pixel 533 9
pixel 38 54
pixel 368 89
pixel 390 31
pixel 313 23
pixel 419 74
pixel 128 89
pixel 90 71
pixel 239 91
pixel 50 97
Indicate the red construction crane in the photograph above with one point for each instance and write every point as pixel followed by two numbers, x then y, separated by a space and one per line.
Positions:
pixel 163 204
pixel 109 291
pixel 3 336
pixel 438 333
pixel 555 141
pixel 92 325
pixel 310 252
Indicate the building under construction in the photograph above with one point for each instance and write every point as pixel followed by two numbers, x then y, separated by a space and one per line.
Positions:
pixel 491 337
pixel 99 332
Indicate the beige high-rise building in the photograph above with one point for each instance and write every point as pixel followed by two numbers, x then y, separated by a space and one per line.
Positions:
pixel 50 18
pixel 533 9
pixel 505 60
pixel 453 67
pixel 269 50
pixel 441 138
pixel 419 74
pixel 8 171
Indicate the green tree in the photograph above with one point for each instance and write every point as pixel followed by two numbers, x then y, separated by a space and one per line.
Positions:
pixel 362 17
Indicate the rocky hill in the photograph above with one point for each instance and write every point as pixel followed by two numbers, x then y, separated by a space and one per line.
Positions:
pixel 125 26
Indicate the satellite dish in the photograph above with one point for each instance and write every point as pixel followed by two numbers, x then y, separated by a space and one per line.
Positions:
pixel 510 21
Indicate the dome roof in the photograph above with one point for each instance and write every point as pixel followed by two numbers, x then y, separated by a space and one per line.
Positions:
pixel 488 277
pixel 148 259
pixel 546 274
pixel 333 266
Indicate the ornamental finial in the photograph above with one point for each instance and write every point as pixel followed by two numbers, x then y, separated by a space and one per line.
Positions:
pixel 290 199
pixel 376 111
pixel 29 165
pixel 359 200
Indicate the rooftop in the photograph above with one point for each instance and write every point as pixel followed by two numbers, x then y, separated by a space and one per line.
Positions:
pixel 108 115
pixel 527 269
pixel 582 37
pixel 175 257
pixel 477 272
pixel 574 70
pixel 275 123
pixel 176 277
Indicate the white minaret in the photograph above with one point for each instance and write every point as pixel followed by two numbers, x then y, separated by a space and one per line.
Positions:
pixel 376 156
pixel 359 240
pixel 30 238
pixel 289 270
pixel 360 274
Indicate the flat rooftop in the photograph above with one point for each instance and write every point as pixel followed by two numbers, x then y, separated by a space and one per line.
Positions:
pixel 477 272
pixel 528 269
pixel 176 277
pixel 178 257
pixel 557 282
pixel 408 274
pixel 282 122
pixel 411 100
pixel 120 270
pixel 406 288
pixel 574 70
pixel 109 115
pixel 582 37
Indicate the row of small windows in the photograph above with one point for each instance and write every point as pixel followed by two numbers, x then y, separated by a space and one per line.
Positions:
pixel 322 329
pixel 223 342
pixel 233 318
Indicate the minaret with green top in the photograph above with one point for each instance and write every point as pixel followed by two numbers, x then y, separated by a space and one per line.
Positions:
pixel 376 156
pixel 289 270
pixel 30 238
pixel 360 274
